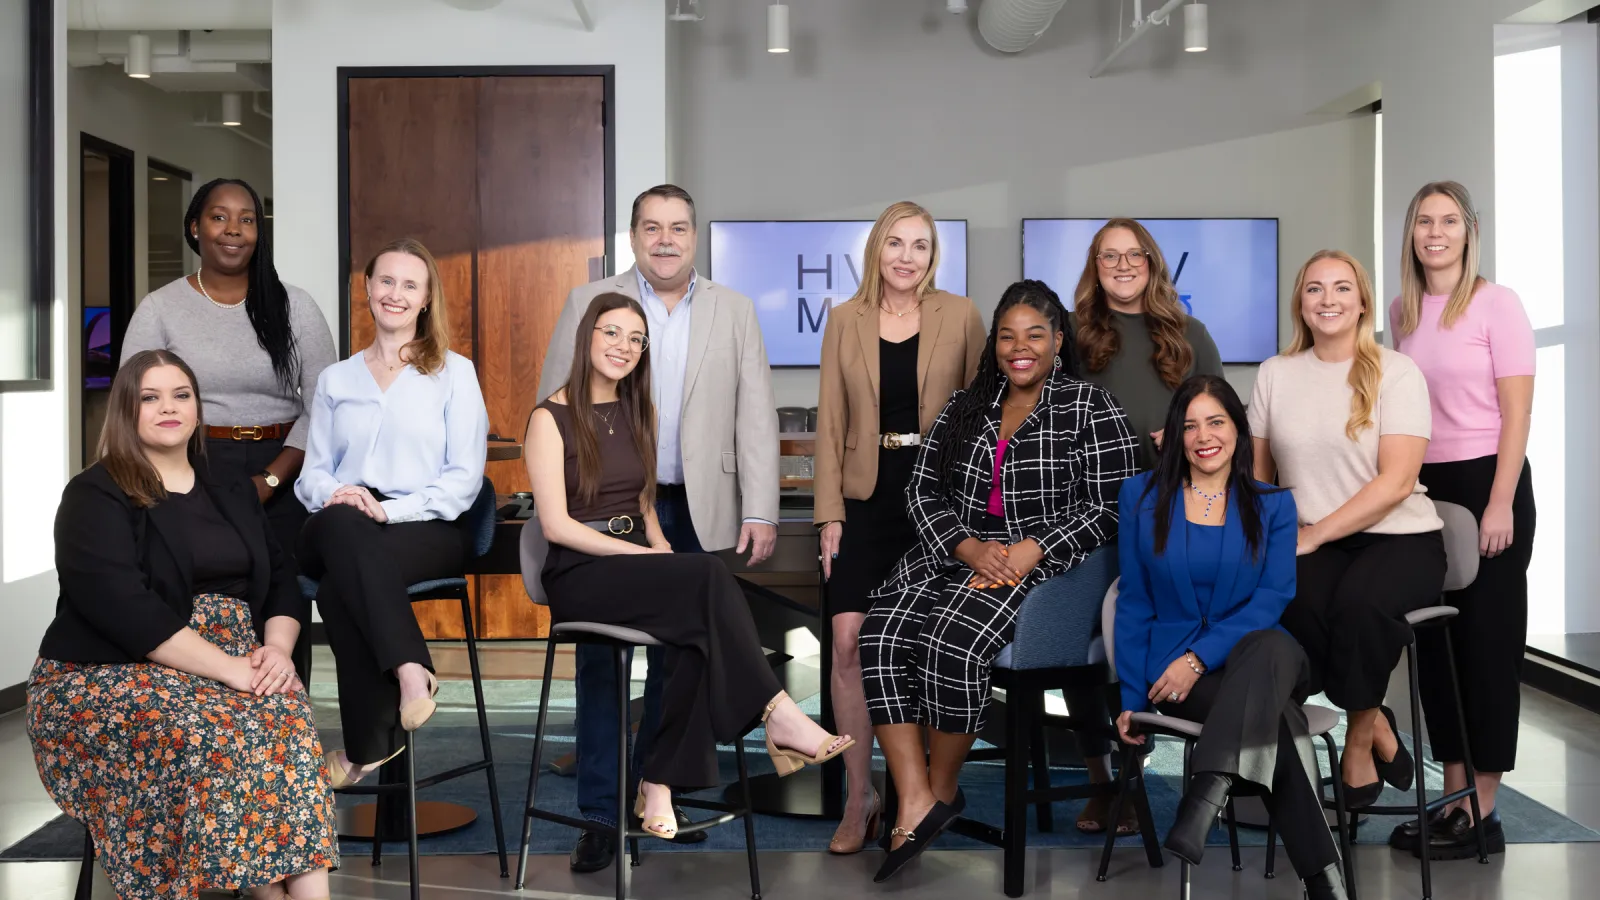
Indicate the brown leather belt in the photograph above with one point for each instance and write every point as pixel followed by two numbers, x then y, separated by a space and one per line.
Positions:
pixel 248 432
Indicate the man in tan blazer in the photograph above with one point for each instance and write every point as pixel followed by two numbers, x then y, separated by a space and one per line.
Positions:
pixel 717 456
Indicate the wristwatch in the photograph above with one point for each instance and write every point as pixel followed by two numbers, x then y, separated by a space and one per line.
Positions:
pixel 272 480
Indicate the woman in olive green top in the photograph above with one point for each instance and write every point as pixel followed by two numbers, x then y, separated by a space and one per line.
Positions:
pixel 1133 339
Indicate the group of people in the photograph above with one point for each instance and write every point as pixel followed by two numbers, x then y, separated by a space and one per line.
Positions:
pixel 957 467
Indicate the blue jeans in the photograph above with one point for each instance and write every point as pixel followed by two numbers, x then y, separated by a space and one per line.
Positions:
pixel 597 696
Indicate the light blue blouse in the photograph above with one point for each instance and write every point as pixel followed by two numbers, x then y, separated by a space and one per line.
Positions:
pixel 422 443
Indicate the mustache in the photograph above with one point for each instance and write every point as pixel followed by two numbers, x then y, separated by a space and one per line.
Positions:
pixel 666 251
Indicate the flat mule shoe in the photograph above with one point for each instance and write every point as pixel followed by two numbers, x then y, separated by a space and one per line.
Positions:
pixel 788 761
pixel 1401 771
pixel 415 714
pixel 917 840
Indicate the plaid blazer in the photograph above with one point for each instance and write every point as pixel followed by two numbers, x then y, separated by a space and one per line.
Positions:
pixel 1062 471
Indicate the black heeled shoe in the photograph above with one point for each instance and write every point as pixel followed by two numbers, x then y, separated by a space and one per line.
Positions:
pixel 1400 772
pixel 1202 802
pixel 1326 885
pixel 1362 797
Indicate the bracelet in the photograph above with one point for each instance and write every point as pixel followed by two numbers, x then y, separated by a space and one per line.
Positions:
pixel 1194 662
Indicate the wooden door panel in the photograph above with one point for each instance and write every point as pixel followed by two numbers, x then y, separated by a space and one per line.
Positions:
pixel 541 182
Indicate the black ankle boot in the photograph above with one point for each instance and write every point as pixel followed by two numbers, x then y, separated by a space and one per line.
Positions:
pixel 1326 885
pixel 1199 808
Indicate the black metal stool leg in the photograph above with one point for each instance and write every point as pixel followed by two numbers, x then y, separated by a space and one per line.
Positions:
pixel 1341 817
pixel 891 809
pixel 1233 838
pixel 483 730
pixel 1019 726
pixel 411 817
pixel 1466 751
pixel 1039 751
pixel 1272 849
pixel 1124 784
pixel 86 870
pixel 1422 789
pixel 538 746
pixel 623 727
pixel 1184 886
pixel 749 820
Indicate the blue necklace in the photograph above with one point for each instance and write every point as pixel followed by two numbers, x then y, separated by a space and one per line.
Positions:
pixel 1209 498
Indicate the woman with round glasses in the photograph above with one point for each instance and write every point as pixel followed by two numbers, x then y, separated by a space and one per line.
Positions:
pixel 1132 338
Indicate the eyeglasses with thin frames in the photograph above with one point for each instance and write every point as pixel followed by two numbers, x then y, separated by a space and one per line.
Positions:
pixel 1110 259
pixel 614 338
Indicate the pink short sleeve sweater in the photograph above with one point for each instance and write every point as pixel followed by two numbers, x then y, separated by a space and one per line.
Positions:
pixel 1492 340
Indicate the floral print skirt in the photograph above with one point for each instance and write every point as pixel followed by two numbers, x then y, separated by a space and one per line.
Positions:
pixel 184 783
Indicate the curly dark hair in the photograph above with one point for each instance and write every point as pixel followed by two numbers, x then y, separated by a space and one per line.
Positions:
pixel 970 408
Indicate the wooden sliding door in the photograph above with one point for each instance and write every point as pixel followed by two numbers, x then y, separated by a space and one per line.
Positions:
pixel 505 178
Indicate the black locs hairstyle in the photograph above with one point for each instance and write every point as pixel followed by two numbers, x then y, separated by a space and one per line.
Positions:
pixel 268 306
pixel 1171 474
pixel 971 408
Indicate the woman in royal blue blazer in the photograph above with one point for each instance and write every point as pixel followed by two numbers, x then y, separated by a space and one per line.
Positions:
pixel 1208 564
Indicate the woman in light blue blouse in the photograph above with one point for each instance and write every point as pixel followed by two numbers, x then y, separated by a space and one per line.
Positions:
pixel 395 455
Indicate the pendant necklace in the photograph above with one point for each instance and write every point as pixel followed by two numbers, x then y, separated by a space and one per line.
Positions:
pixel 606 419
pixel 901 315
pixel 1209 498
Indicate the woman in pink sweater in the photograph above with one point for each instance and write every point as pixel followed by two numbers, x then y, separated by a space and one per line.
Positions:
pixel 1474 343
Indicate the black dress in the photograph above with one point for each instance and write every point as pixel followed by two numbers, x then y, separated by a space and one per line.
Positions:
pixel 877 530
pixel 718 680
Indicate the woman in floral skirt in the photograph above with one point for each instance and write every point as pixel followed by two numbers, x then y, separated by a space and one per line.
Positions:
pixel 164 711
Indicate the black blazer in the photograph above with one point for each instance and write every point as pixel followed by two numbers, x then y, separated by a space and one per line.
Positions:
pixel 126 573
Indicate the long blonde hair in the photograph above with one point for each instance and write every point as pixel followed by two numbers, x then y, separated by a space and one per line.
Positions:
pixel 1366 369
pixel 1413 280
pixel 871 290
pixel 1098 339
pixel 425 351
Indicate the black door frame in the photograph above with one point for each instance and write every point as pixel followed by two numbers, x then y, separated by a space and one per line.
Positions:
pixel 607 123
pixel 119 221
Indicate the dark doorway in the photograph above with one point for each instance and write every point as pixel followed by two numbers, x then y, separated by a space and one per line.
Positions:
pixel 105 271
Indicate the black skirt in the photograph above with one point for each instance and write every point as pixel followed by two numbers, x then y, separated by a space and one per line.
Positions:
pixel 877 532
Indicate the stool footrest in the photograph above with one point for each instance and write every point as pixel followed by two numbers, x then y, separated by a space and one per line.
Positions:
pixel 1410 808
pixel 368 790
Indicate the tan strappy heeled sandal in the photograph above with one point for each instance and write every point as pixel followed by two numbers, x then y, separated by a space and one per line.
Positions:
pixel 668 824
pixel 787 761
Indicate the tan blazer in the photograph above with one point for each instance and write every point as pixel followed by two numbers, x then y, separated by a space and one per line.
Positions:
pixel 729 430
pixel 948 347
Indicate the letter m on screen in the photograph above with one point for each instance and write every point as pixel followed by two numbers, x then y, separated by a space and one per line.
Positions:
pixel 804 318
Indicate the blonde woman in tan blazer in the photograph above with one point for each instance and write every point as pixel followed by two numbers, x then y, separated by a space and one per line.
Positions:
pixel 891 358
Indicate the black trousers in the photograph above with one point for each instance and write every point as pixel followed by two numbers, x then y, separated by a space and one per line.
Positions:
pixel 1255 730
pixel 1489 634
pixel 718 680
pixel 363 568
pixel 1349 609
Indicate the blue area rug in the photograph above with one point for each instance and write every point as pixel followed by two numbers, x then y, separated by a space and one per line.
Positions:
pixel 438 748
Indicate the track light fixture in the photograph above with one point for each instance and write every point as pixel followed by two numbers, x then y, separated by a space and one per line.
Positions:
pixel 137 64
pixel 778 28
pixel 1195 37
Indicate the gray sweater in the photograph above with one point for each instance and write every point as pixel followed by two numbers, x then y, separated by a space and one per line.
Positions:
pixel 1131 377
pixel 237 383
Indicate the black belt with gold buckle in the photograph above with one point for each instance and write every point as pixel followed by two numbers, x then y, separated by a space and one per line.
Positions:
pixel 613 525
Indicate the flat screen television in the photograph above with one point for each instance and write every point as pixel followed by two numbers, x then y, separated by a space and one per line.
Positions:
pixel 98 366
pixel 796 271
pixel 1225 270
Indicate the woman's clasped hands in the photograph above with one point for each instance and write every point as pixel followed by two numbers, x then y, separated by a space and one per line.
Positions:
pixel 361 498
pixel 994 564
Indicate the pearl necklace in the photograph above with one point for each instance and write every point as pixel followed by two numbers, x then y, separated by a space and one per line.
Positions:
pixel 1209 498
pixel 202 284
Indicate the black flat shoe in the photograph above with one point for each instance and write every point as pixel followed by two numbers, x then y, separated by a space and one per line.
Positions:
pixel 1362 797
pixel 959 804
pixel 917 840
pixel 693 837
pixel 1401 771
pixel 1198 810
pixel 1404 835
pixel 1326 885
pixel 595 851
pixel 1454 837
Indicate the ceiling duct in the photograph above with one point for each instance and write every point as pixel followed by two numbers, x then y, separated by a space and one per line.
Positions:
pixel 1012 26
pixel 167 15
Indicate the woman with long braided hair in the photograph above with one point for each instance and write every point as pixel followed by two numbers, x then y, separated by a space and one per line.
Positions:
pixel 256 343
pixel 1016 482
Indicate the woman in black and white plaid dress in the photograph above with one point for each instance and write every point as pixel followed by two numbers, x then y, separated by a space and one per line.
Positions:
pixel 1016 482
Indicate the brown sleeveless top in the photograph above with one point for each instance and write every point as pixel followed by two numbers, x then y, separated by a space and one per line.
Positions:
pixel 622 473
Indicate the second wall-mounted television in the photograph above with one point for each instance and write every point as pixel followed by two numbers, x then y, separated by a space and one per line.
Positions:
pixel 1225 270
pixel 796 271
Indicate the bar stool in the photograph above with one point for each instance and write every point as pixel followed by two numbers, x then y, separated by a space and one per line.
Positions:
pixel 479 519
pixel 533 549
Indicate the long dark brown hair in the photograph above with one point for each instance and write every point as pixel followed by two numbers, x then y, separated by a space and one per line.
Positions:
pixel 633 391
pixel 121 451
pixel 1097 338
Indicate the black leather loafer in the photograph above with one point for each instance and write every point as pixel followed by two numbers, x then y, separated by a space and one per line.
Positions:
pixel 595 851
pixel 1404 835
pixel 932 825
pixel 1454 838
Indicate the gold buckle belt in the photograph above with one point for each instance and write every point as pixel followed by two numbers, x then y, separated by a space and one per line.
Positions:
pixel 898 441
pixel 613 525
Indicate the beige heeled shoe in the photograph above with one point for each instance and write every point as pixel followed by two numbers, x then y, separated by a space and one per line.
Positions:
pixel 667 824
pixel 787 761
pixel 415 714
pixel 340 777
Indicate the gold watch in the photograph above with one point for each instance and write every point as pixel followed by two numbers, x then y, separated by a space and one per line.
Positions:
pixel 272 480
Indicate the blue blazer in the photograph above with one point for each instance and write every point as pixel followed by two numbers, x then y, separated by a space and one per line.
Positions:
pixel 1159 618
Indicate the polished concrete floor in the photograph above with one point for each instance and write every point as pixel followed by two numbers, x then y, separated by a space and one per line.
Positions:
pixel 1559 766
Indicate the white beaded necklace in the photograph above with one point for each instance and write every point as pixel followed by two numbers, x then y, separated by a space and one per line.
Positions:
pixel 202 285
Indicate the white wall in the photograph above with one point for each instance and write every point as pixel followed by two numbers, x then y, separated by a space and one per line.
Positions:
pixel 874 106
pixel 311 40
pixel 33 449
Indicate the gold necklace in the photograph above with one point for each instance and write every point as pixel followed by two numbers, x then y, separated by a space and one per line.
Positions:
pixel 200 282
pixel 606 419
pixel 901 315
